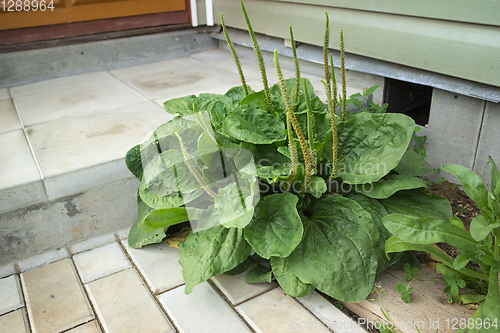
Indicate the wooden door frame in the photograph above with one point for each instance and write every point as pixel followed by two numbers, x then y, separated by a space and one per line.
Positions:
pixel 182 19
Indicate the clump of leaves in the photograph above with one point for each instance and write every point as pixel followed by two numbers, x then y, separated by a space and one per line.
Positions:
pixel 275 183
pixel 481 245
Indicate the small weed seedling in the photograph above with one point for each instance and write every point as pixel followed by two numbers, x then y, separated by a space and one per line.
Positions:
pixel 411 275
pixel 451 289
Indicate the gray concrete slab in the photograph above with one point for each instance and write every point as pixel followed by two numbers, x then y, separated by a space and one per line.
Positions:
pixel 36 65
pixel 103 209
pixel 453 130
pixel 489 142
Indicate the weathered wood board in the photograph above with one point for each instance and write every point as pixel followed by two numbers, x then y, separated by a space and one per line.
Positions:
pixel 428 308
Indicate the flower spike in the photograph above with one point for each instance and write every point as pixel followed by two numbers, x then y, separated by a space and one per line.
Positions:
pixel 235 56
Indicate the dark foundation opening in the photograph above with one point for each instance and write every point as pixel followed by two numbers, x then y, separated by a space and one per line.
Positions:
pixel 408 98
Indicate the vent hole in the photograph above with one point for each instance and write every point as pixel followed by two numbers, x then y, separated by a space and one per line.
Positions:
pixel 408 98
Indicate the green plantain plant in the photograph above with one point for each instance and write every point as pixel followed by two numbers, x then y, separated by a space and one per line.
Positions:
pixel 480 246
pixel 275 180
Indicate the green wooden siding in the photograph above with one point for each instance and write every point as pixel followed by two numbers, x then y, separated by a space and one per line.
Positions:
pixel 465 50
pixel 469 11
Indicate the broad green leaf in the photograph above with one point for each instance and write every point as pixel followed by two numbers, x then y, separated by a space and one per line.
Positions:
pixel 160 139
pixel 204 102
pixel 210 252
pixel 461 261
pixel 337 253
pixel 300 106
pixel 270 164
pixel 163 218
pixel 235 202
pixel 218 114
pixel 431 230
pixel 457 223
pixel 370 91
pixel 134 161
pixel 412 164
pixel 370 145
pixel 390 184
pixel 480 228
pixel 419 204
pixel 243 267
pixel 495 174
pixel 259 274
pixel 165 177
pixel 317 187
pixel 491 307
pixel 256 100
pixel 395 245
pixel 473 185
pixel 207 148
pixel 287 279
pixel 472 298
pixel 137 237
pixel 321 125
pixel 276 229
pixel 377 211
pixel 237 93
pixel 255 126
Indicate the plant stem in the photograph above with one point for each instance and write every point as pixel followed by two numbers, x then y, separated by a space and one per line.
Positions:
pixel 310 120
pixel 342 71
pixel 258 53
pixel 193 169
pixel 235 56
pixel 297 69
pixel 293 120
pixel 334 85
pixel 329 92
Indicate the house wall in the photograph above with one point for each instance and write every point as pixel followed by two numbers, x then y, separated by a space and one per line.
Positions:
pixel 456 38
pixel 452 46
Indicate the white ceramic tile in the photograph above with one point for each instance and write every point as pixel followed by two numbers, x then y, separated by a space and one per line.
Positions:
pixel 61 83
pixel 160 66
pixel 123 234
pixel 335 319
pixel 7 270
pixel 10 294
pixel 92 243
pixel 159 264
pixel 4 93
pixel 55 298
pixel 77 143
pixel 22 196
pixel 73 101
pixel 14 322
pixel 123 304
pixel 183 80
pixel 100 262
pixel 43 259
pixel 16 161
pixel 277 312
pixel 91 327
pixel 8 114
pixel 201 311
pixel 237 290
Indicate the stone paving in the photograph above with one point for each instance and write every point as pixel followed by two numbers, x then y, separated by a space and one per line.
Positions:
pixel 103 285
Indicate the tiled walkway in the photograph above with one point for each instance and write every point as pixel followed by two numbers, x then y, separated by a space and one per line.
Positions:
pixel 102 285
pixel 64 136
